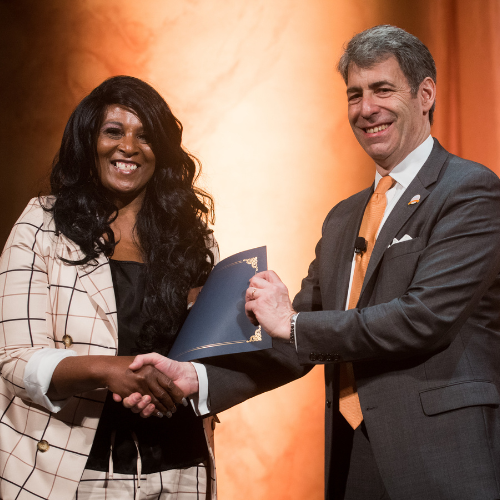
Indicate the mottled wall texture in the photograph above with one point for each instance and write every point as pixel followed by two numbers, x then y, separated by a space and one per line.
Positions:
pixel 255 86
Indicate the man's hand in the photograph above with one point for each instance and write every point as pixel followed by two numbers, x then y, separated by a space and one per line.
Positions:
pixel 268 304
pixel 183 375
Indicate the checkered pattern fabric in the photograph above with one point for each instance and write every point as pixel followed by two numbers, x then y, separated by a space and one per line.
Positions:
pixel 177 484
pixel 42 299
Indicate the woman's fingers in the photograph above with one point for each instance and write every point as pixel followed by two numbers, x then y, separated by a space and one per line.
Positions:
pixel 164 393
pixel 192 296
pixel 147 391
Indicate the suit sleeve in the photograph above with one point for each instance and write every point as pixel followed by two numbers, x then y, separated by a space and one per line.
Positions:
pixel 458 264
pixel 23 297
pixel 238 377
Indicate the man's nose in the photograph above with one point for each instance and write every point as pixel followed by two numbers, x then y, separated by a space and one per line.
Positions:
pixel 368 107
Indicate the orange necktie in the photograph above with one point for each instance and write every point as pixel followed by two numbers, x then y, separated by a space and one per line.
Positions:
pixel 374 213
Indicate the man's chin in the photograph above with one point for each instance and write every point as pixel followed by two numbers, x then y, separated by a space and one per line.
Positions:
pixel 377 152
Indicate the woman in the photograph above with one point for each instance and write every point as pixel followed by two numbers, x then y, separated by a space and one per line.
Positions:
pixel 116 248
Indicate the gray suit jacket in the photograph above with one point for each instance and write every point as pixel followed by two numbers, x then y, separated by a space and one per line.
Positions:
pixel 424 339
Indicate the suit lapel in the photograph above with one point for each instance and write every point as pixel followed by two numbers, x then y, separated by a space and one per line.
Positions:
pixel 427 176
pixel 345 237
pixel 96 280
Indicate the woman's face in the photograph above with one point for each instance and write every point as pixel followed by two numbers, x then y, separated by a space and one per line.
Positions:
pixel 125 160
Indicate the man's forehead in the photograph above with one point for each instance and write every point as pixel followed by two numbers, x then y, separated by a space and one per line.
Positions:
pixel 384 69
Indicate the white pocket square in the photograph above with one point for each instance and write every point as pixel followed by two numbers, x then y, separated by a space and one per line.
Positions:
pixel 406 237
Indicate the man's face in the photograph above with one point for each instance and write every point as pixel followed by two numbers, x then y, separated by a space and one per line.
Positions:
pixel 386 119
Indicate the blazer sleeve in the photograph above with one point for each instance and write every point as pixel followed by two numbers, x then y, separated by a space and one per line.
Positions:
pixel 25 326
pixel 459 262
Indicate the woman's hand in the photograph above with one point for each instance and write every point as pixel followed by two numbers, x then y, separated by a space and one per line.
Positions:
pixel 192 296
pixel 182 375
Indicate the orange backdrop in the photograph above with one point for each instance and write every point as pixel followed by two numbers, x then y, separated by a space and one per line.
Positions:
pixel 255 86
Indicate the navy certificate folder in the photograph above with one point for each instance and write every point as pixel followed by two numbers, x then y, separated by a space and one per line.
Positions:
pixel 217 323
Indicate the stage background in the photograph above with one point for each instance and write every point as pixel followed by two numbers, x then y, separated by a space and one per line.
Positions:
pixel 255 87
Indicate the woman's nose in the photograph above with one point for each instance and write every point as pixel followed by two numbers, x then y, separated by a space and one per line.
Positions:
pixel 129 145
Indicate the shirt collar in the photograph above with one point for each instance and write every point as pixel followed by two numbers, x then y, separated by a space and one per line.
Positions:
pixel 407 170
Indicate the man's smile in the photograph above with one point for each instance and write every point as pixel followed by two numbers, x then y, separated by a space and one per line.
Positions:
pixel 377 128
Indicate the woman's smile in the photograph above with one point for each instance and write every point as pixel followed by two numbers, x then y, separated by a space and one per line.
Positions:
pixel 125 160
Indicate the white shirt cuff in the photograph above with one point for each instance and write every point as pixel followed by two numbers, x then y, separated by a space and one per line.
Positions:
pixel 295 333
pixel 199 401
pixel 38 374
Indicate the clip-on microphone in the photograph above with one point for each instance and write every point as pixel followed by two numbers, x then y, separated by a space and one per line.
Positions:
pixel 360 245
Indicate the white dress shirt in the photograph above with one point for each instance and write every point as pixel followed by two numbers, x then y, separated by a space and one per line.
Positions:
pixel 403 174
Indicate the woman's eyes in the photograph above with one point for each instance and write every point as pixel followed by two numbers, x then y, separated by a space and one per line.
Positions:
pixel 113 131
pixel 117 133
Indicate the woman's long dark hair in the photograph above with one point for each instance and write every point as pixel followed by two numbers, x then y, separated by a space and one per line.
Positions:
pixel 171 226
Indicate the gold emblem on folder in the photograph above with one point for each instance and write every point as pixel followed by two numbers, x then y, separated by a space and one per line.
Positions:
pixel 257 336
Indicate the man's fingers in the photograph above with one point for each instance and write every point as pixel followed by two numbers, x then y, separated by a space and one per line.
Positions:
pixel 257 282
pixel 134 399
pixel 250 314
pixel 138 362
pixel 145 359
pixel 269 276
pixel 151 411
pixel 252 293
pixel 141 405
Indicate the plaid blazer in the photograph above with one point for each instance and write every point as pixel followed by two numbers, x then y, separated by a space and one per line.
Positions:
pixel 46 303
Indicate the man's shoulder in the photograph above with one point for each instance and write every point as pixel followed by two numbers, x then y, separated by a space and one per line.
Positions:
pixel 345 208
pixel 354 200
pixel 463 170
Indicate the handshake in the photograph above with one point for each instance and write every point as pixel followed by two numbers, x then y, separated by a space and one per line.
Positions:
pixel 159 383
pixel 163 383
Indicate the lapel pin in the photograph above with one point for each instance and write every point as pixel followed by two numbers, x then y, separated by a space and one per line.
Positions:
pixel 414 200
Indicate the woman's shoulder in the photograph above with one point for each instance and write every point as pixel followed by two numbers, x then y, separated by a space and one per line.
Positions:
pixel 37 213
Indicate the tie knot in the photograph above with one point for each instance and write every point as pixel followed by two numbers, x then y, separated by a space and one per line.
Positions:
pixel 384 184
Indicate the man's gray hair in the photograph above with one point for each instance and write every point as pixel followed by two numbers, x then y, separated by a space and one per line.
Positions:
pixel 376 44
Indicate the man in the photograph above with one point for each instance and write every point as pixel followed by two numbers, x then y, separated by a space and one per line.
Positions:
pixel 402 302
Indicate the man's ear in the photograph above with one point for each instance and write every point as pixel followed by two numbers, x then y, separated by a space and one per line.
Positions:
pixel 427 93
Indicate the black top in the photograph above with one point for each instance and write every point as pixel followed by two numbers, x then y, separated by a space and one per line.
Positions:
pixel 164 443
